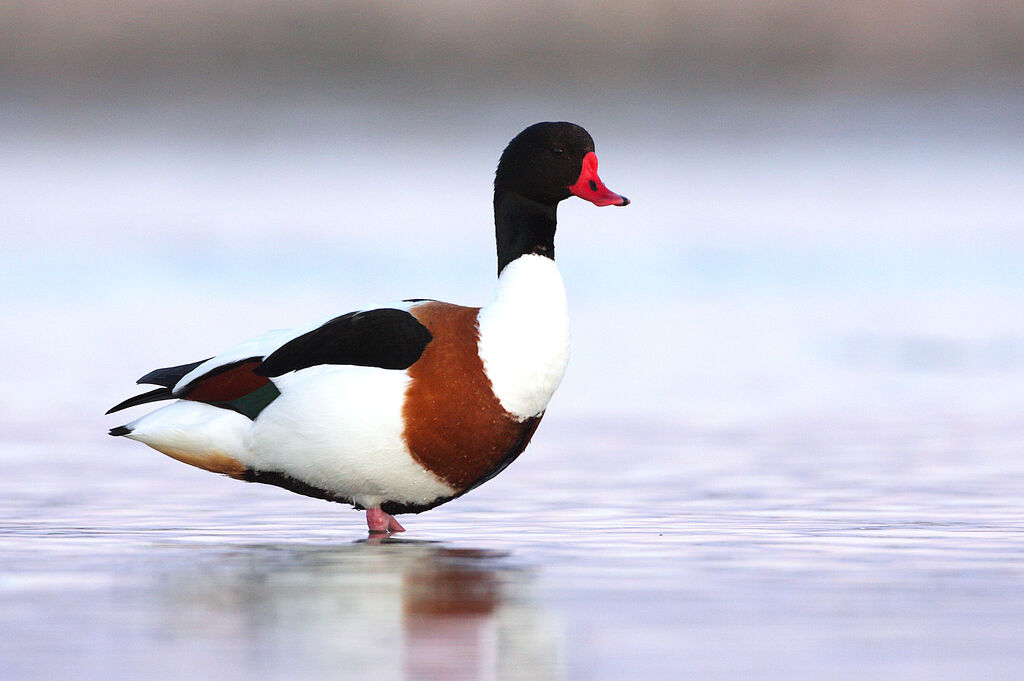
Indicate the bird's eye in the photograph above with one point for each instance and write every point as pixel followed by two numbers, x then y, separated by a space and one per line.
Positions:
pixel 558 151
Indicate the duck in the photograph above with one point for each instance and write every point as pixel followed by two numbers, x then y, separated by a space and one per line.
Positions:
pixel 399 408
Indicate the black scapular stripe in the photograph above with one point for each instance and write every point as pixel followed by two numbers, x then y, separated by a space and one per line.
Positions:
pixel 385 338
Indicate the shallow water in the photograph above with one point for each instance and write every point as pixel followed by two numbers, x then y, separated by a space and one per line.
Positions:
pixel 788 445
pixel 875 550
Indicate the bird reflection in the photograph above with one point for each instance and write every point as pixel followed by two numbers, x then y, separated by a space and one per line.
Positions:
pixel 382 608
pixel 449 618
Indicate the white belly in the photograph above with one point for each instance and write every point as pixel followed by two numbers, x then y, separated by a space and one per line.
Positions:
pixel 339 428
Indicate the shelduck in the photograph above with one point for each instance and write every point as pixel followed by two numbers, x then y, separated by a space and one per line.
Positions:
pixel 401 408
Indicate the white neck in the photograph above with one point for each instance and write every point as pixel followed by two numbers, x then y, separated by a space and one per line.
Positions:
pixel 524 335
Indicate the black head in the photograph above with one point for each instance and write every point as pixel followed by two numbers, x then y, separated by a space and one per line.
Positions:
pixel 549 162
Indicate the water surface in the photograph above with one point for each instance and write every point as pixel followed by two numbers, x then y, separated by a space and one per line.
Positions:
pixel 847 551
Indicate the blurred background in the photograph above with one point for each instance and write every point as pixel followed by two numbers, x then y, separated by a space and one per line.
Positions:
pixel 827 196
pixel 798 354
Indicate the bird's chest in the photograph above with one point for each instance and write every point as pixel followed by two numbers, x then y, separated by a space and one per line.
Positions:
pixel 455 425
pixel 476 394
pixel 524 336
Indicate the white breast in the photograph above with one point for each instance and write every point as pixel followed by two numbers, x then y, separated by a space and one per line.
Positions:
pixel 524 335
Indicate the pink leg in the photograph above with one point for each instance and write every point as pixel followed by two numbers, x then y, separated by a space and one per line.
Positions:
pixel 380 522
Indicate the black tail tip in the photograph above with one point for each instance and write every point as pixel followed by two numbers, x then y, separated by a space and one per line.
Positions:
pixel 120 430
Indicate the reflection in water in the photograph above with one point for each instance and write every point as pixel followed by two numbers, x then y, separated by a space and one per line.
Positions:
pixel 378 609
pixel 449 623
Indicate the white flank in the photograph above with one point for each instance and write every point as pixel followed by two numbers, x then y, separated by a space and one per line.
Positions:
pixel 339 428
pixel 524 335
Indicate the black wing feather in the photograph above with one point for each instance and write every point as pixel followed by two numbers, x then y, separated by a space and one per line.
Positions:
pixel 168 377
pixel 144 398
pixel 385 338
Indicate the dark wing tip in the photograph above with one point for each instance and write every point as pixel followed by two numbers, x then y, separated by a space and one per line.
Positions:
pixel 169 376
pixel 144 398
pixel 120 430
